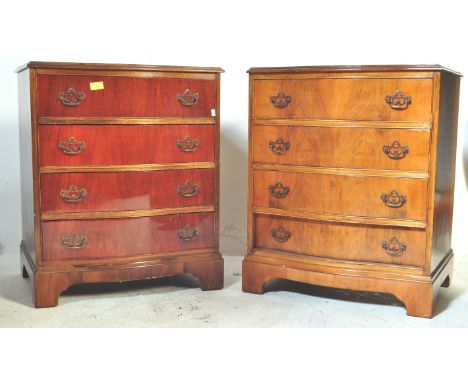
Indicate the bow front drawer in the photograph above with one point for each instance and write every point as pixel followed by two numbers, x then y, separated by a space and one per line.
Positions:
pixel 118 191
pixel 344 99
pixel 67 145
pixel 91 239
pixel 384 245
pixel 373 148
pixel 368 196
pixel 117 96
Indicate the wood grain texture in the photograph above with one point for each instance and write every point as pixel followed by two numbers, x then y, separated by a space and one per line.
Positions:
pixel 341 241
pixel 117 191
pixel 444 171
pixel 344 195
pixel 419 297
pixel 125 121
pixel 340 171
pixel 340 218
pixel 407 125
pixel 342 147
pixel 45 216
pixel 364 70
pixel 63 67
pixel 126 168
pixel 347 99
pixel 48 285
pixel 323 126
pixel 127 73
pixel 126 237
pixel 125 96
pixel 125 144
pixel 130 135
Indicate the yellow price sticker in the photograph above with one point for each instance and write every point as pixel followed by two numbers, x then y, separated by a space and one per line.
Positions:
pixel 96 85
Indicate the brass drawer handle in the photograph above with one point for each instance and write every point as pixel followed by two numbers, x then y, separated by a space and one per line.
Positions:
pixel 188 144
pixel 188 98
pixel 71 97
pixel 279 146
pixel 393 199
pixel 280 234
pixel 396 150
pixel 280 100
pixel 73 194
pixel 74 241
pixel 188 233
pixel 188 189
pixel 398 101
pixel 278 190
pixel 393 247
pixel 72 146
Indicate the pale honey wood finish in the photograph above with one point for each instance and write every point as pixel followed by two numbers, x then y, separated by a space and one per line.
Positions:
pixel 339 218
pixel 342 194
pixel 350 99
pixel 418 296
pixel 360 70
pixel 340 171
pixel 407 125
pixel 338 240
pixel 331 146
pixel 318 127
pixel 443 161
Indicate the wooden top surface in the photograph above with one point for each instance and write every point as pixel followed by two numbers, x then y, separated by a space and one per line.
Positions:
pixel 352 68
pixel 124 67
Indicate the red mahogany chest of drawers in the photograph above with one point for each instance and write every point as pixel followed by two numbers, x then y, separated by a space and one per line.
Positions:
pixel 119 174
pixel 351 179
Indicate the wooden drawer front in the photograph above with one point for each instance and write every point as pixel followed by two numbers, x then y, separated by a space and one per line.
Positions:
pixel 70 96
pixel 405 246
pixel 388 149
pixel 126 190
pixel 81 239
pixel 353 99
pixel 66 145
pixel 341 194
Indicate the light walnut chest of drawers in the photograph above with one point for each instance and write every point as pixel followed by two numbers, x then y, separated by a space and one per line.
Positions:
pixel 351 179
pixel 120 174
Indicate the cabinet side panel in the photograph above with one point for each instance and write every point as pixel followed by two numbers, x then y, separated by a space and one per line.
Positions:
pixel 445 167
pixel 26 163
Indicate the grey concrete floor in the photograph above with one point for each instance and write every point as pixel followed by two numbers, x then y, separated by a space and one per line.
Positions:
pixel 178 302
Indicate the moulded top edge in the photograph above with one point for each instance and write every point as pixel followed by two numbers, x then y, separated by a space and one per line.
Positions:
pixel 131 67
pixel 352 68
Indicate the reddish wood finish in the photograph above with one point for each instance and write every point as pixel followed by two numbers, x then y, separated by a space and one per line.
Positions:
pixel 126 237
pixel 344 98
pixel 342 147
pixel 341 241
pixel 125 144
pixel 100 172
pixel 125 68
pixel 118 191
pixel 47 286
pixel 125 96
pixel 341 194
